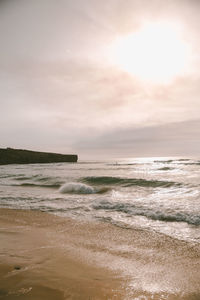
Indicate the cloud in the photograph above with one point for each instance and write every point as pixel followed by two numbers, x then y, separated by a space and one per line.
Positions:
pixel 58 90
pixel 176 139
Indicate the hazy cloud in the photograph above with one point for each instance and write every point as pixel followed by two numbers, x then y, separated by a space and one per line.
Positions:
pixel 58 91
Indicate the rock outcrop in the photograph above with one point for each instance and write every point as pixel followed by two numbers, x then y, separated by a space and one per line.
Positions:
pixel 19 156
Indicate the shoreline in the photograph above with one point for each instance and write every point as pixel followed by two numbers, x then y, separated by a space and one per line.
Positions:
pixel 46 256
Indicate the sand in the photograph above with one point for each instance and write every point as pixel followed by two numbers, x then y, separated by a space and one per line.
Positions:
pixel 43 256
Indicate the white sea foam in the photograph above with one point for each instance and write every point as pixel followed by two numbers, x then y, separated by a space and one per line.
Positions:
pixel 78 188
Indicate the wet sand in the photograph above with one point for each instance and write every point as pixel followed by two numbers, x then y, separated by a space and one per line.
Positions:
pixel 43 256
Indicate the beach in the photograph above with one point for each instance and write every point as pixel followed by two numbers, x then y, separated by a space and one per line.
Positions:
pixel 41 258
pixel 47 256
pixel 99 150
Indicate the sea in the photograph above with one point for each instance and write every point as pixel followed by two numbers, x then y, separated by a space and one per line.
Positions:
pixel 155 194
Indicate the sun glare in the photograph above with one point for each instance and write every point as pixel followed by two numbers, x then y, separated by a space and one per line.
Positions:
pixel 155 53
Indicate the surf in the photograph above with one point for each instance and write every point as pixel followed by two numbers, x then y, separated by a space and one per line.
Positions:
pixel 127 182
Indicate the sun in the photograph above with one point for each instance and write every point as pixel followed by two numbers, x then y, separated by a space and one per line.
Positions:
pixel 155 53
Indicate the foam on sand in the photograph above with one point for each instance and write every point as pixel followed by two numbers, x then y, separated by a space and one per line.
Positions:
pixel 49 257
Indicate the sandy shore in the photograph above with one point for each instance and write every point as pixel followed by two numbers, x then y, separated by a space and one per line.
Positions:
pixel 43 256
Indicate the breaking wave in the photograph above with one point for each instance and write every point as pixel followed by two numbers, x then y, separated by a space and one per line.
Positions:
pixel 80 188
pixel 126 182
pixel 149 213
pixel 77 188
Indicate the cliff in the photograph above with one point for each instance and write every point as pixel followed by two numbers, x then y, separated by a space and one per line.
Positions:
pixel 18 156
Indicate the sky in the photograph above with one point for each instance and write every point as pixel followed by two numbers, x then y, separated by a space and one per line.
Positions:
pixel 102 79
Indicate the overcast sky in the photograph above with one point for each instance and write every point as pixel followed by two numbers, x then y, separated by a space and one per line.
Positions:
pixel 60 92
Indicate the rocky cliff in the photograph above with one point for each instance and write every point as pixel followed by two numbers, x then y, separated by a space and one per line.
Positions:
pixel 18 156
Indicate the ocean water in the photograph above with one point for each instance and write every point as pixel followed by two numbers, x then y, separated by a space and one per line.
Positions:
pixel 156 194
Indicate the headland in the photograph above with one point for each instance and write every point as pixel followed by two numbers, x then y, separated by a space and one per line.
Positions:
pixel 21 156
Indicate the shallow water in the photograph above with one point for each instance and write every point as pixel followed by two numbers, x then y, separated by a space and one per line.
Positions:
pixel 157 194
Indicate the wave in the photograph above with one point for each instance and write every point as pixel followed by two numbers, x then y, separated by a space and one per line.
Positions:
pixel 126 182
pixel 35 178
pixel 164 161
pixel 6 176
pixel 148 213
pixel 80 188
pixel 77 188
pixel 183 159
pixel 165 169
pixel 192 163
pixel 24 178
pixel 54 185
pixel 171 160
pixel 124 164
